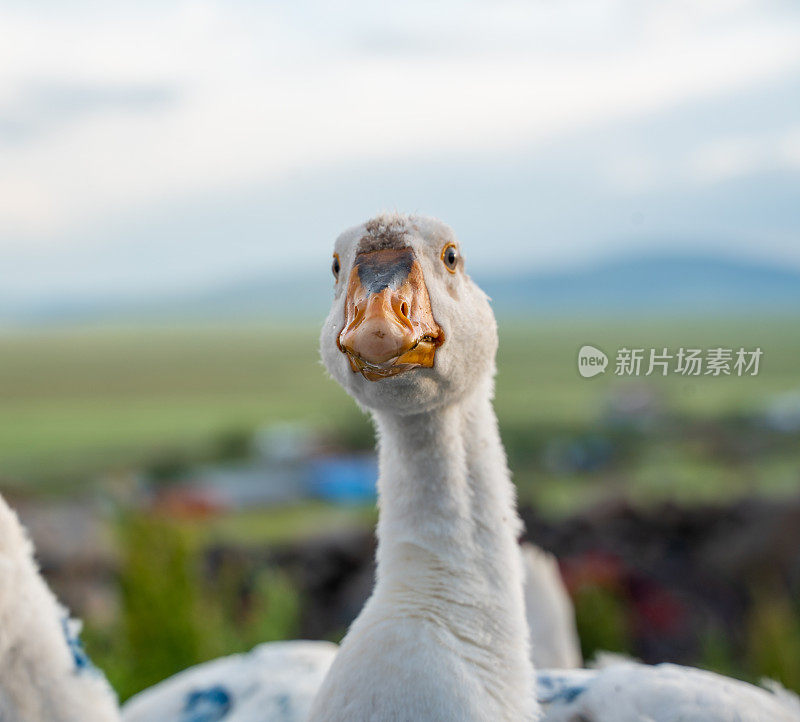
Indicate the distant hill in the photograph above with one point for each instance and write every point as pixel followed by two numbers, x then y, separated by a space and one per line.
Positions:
pixel 655 284
pixel 662 285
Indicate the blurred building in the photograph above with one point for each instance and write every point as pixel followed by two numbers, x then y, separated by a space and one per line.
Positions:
pixel 289 463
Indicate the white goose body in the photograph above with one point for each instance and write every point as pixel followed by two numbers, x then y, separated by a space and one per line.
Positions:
pixel 44 674
pixel 276 685
pixel 275 682
pixel 632 692
pixel 444 635
pixel 552 629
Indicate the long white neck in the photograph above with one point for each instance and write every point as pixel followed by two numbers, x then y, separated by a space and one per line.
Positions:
pixel 445 628
pixel 448 507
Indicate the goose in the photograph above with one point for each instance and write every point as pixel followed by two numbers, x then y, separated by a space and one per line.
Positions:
pixel 444 635
pixel 44 673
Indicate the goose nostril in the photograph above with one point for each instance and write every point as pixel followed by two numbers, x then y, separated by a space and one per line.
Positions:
pixel 404 309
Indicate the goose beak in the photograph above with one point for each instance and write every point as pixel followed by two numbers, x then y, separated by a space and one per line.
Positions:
pixel 388 326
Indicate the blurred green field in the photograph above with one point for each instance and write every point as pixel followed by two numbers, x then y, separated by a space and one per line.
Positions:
pixel 78 402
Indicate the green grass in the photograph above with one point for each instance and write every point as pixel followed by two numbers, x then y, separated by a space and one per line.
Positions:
pixel 77 402
pixel 278 525
pixel 538 378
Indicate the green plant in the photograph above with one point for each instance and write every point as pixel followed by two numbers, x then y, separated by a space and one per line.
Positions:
pixel 718 653
pixel 170 619
pixel 773 640
pixel 159 600
pixel 602 620
pixel 241 610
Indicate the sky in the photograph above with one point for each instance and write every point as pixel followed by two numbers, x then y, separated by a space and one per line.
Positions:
pixel 155 147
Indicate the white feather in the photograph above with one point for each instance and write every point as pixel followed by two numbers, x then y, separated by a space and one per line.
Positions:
pixel 44 676
pixel 274 682
pixel 548 608
pixel 634 692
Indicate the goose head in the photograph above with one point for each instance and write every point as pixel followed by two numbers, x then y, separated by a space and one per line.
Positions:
pixel 408 330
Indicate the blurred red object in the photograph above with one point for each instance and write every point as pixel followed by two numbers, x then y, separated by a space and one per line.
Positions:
pixel 188 503
pixel 595 568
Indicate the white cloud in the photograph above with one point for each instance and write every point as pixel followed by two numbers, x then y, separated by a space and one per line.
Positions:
pixel 788 148
pixel 262 91
pixel 736 156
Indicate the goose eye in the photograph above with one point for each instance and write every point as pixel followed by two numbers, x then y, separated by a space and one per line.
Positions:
pixel 335 267
pixel 450 257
